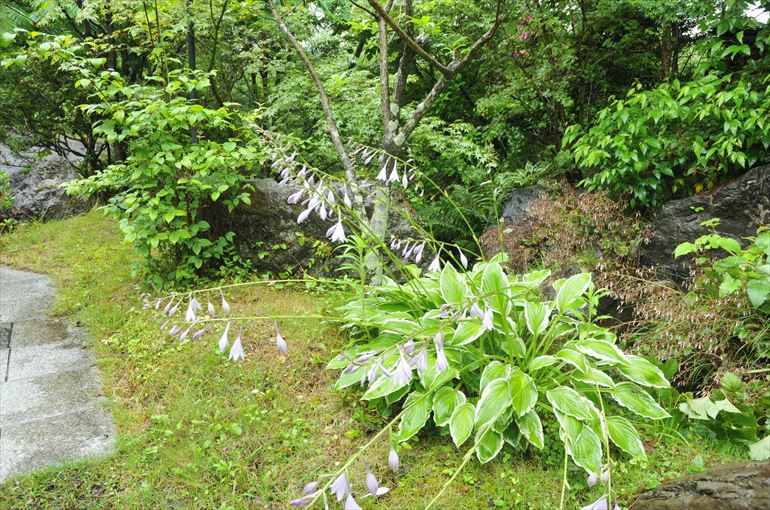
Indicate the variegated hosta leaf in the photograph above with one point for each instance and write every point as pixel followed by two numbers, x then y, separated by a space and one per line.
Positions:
pixel 453 286
pixel 495 288
pixel 467 331
pixel 488 444
pixel 416 415
pixel 445 401
pixel 536 316
pixel 523 392
pixel 643 372
pixel 624 435
pixel 542 362
pixel 569 402
pixel 574 358
pixel 601 350
pixel 461 423
pixel 531 427
pixel 637 400
pixel 569 292
pixel 494 370
pixel 495 398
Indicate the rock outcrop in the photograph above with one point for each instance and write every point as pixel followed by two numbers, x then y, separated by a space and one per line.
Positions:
pixel 268 235
pixel 743 486
pixel 741 205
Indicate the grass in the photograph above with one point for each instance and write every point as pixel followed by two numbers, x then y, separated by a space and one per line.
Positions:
pixel 197 431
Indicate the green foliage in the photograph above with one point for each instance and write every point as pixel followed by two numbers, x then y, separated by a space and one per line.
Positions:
pixel 513 359
pixel 743 268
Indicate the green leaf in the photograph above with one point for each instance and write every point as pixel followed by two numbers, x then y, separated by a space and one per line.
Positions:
pixel 570 290
pixel 586 450
pixel 461 423
pixel 574 358
pixel 523 392
pixel 625 436
pixel 536 315
pixel 415 416
pixel 568 401
pixel 761 449
pixel 531 427
pixel 685 249
pixel 643 372
pixel 453 287
pixel 729 244
pixel 601 350
pixel 595 376
pixel 495 398
pixel 494 370
pixel 488 445
pixel 638 401
pixel 445 401
pixel 382 387
pixel 542 362
pixel 468 331
pixel 494 285
pixel 758 291
pixel 729 285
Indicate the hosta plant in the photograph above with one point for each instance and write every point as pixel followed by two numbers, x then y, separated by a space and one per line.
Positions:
pixel 487 356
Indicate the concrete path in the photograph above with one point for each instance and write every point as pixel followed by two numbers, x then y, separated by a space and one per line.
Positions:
pixel 51 408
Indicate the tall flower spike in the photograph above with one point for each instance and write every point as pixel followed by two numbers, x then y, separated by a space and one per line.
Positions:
pixel 225 304
pixel 223 339
pixel 393 461
pixel 280 342
pixel 236 351
pixel 340 487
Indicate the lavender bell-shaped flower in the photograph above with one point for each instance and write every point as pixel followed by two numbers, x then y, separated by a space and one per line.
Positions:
pixel 463 259
pixel 173 309
pixel 488 319
pixel 186 332
pixel 476 311
pixel 393 174
pixel 236 351
pixel 393 461
pixel 310 488
pixel 442 364
pixel 167 308
pixel 174 329
pixel 199 333
pixel 404 181
pixel 422 361
pixel 346 199
pixel 369 158
pixel 337 232
pixel 190 314
pixel 225 304
pixel 350 503
pixel 294 198
pixel 210 309
pixel 340 487
pixel 435 265
pixel 599 504
pixel 593 478
pixel 223 339
pixel 280 342
pixel 605 477
pixel 300 502
pixel 372 484
pixel 403 373
pixel 383 175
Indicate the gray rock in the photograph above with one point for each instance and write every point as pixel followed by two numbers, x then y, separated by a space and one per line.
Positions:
pixel 36 185
pixel 742 205
pixel 744 486
pixel 516 208
pixel 268 235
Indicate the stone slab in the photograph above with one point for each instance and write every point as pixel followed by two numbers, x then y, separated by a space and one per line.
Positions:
pixel 37 360
pixel 38 331
pixel 24 307
pixel 6 328
pixel 8 274
pixel 4 355
pixel 63 438
pixel 48 395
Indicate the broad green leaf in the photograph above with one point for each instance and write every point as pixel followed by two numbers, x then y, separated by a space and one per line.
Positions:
pixel 568 401
pixel 453 286
pixel 415 417
pixel 495 398
pixel 494 370
pixel 523 392
pixel 601 350
pixel 536 316
pixel 574 358
pixel 400 326
pixel 625 436
pixel 758 291
pixel 643 372
pixel 761 449
pixel 684 249
pixel 488 445
pixel 381 387
pixel 586 450
pixel 541 362
pixel 570 290
pixel 445 401
pixel 595 376
pixel 461 423
pixel 350 379
pixel 494 285
pixel 638 401
pixel 468 331
pixel 706 409
pixel 729 285
pixel 532 428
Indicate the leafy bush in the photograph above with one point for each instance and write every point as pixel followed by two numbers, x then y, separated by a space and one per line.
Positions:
pixel 492 357
pixel 676 139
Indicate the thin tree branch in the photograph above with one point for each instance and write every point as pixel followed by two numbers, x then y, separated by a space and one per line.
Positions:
pixel 407 58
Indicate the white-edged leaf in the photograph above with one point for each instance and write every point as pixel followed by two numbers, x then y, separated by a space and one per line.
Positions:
pixel 586 450
pixel 445 401
pixel 574 358
pixel 569 402
pixel 624 435
pixel 495 286
pixel 542 362
pixel 638 401
pixel 643 372
pixel 461 423
pixel 494 370
pixel 531 428
pixel 495 398
pixel 523 392
pixel 601 350
pixel 536 315
pixel 571 290
pixel 467 331
pixel 414 418
pixel 453 286
pixel 488 445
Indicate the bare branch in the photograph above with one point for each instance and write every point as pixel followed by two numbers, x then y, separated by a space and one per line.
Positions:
pixel 408 39
pixel 407 58
pixel 331 123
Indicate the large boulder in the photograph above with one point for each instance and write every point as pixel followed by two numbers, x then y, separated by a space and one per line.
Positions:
pixel 741 205
pixel 268 235
pixel 36 180
pixel 744 486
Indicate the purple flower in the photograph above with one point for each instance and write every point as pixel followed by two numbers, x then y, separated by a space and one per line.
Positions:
pixel 186 332
pixel 157 303
pixel 311 487
pixel 435 265
pixel 174 329
pixel 365 357
pixel 476 311
pixel 295 197
pixel 592 479
pixel 173 309
pixel 417 253
pixel 350 503
pixel 393 459
pixel 191 308
pixel 599 504
pixel 346 199
pixel 404 181
pixel 225 304
pixel 199 333
pixel 488 320
pixel 337 232
pixel 168 305
pixel 383 175
pixel 322 212
pixel 442 364
pixel 403 373
pixel 162 326
pixel 210 308
pixel 372 484
pixel 422 361
pixel 340 486
pixel 369 158
pixel 280 342
pixel 303 215
pixel 223 340
pixel 236 351
pixel 409 346
pixel 605 477
pixel 301 502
